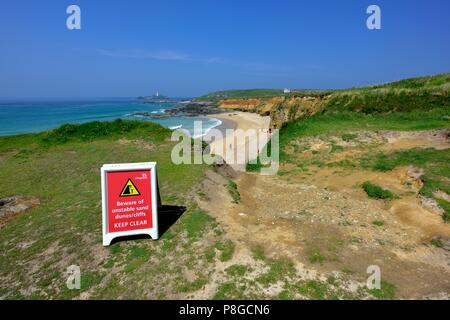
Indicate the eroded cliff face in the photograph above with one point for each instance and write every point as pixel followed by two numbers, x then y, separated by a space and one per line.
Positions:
pixel 240 104
pixel 260 105
pixel 280 109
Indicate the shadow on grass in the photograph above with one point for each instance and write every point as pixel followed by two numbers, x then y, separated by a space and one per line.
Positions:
pixel 167 216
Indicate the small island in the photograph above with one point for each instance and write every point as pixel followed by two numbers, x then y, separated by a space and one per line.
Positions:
pixel 156 98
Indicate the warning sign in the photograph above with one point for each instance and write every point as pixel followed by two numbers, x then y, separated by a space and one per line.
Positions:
pixel 129 190
pixel 129 200
pixel 128 209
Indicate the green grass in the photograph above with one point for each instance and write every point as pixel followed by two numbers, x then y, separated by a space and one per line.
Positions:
pixel 233 191
pixel 237 270
pixel 254 167
pixel 115 248
pixel 315 290
pixel 378 223
pixel 241 94
pixel 446 206
pixel 202 195
pixel 336 148
pixel 349 136
pixel 433 162
pixel 376 192
pixel 319 290
pixel 99 130
pixel 418 157
pixel 196 222
pixel 429 82
pixel 437 243
pixel 226 249
pixel 90 279
pixel 210 254
pixel 62 169
pixel 316 257
pixel 186 286
pixel 258 253
pixel 278 270
pixel 425 93
pixel 393 100
pixel 230 291
pixel 387 291
pixel 136 257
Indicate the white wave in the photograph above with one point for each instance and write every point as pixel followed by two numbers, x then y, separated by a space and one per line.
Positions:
pixel 216 123
pixel 175 127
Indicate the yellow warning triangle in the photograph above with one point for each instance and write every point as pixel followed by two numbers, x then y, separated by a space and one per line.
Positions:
pixel 129 190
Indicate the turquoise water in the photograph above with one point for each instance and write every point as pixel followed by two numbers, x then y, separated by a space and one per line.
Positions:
pixel 28 117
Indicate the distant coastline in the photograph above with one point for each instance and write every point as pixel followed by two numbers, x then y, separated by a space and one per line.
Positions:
pixel 22 117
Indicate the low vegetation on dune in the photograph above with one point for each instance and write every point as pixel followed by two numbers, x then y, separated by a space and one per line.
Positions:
pixel 99 130
pixel 241 94
pixel 377 192
pixel 439 81
pixel 425 93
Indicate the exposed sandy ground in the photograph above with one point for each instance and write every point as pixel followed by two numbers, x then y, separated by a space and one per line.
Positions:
pixel 243 121
pixel 13 206
pixel 325 211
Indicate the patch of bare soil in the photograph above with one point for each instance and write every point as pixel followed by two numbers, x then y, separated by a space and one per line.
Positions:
pixel 382 141
pixel 397 140
pixel 12 206
pixel 398 180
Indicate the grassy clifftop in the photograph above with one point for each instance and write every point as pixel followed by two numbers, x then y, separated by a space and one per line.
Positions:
pixel 241 94
pixel 416 94
pixel 430 82
pixel 425 93
pixel 61 168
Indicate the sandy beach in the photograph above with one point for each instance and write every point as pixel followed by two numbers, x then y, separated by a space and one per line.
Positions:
pixel 233 148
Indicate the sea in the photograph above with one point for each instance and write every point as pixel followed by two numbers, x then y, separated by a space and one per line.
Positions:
pixel 17 117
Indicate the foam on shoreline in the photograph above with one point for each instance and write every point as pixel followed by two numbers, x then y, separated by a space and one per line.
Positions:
pixel 216 123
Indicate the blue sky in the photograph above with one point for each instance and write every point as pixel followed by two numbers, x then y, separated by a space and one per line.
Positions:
pixel 187 48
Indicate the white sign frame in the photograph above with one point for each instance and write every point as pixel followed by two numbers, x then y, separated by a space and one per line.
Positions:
pixel 152 232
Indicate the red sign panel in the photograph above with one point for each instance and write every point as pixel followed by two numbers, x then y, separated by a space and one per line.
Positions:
pixel 129 200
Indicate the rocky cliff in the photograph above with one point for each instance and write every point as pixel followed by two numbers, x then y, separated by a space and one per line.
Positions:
pixel 281 109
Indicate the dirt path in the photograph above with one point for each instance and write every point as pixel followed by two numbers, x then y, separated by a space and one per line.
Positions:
pixel 325 223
